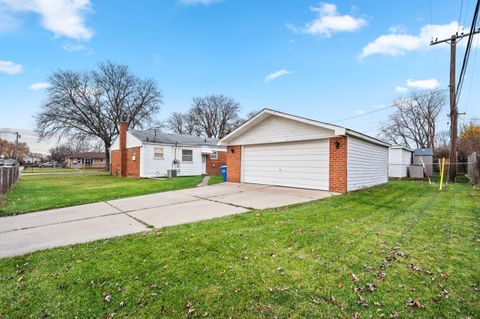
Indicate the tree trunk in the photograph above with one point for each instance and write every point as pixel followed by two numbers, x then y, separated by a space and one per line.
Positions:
pixel 107 157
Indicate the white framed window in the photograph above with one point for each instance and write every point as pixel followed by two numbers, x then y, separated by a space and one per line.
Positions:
pixel 214 156
pixel 87 161
pixel 158 152
pixel 187 155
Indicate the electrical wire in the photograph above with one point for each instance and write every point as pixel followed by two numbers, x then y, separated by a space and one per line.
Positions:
pixel 467 53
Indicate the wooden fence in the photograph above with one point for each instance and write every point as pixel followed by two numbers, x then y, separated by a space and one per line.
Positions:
pixel 8 178
pixel 473 167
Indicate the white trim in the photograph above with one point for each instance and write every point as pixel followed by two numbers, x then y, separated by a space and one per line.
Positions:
pixel 366 138
pixel 338 130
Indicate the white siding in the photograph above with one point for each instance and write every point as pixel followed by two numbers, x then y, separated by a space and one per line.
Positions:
pixel 367 164
pixel 153 167
pixel 399 160
pixel 298 164
pixel 276 129
pixel 132 141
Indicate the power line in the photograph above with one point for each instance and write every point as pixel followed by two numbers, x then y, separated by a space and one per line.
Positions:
pixel 363 114
pixel 467 52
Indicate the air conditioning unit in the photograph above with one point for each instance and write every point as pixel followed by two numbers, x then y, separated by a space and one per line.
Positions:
pixel 171 173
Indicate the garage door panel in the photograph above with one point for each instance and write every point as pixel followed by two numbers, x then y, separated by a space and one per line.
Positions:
pixel 296 164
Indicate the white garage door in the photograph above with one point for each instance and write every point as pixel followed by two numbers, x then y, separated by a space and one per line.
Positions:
pixel 295 164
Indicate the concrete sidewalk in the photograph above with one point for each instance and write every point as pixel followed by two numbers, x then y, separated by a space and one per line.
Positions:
pixel 65 226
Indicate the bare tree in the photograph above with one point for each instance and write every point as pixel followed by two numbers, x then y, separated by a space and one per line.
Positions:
pixel 442 139
pixel 92 103
pixel 210 116
pixel 180 124
pixel 415 119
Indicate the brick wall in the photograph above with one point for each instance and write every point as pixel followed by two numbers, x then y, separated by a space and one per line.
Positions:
pixel 234 162
pixel 131 166
pixel 213 166
pixel 115 162
pixel 123 148
pixel 338 164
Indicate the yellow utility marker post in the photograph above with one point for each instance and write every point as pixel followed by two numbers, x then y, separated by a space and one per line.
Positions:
pixel 441 173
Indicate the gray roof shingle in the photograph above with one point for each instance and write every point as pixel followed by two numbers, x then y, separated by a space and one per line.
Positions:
pixel 155 136
pixel 423 152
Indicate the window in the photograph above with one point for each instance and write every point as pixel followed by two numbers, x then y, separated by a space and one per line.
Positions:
pixel 87 161
pixel 214 156
pixel 187 156
pixel 158 152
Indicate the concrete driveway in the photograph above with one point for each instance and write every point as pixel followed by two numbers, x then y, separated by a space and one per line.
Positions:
pixel 65 226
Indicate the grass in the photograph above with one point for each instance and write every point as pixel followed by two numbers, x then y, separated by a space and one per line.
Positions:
pixel 403 240
pixel 215 179
pixel 40 192
pixel 47 170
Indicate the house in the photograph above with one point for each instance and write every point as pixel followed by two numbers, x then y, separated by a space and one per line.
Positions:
pixel 423 157
pixel 151 153
pixel 86 160
pixel 277 148
pixel 399 160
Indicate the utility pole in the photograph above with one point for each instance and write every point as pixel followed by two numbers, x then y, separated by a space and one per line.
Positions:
pixel 17 136
pixel 453 40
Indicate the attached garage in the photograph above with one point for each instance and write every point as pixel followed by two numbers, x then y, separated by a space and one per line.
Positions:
pixel 276 148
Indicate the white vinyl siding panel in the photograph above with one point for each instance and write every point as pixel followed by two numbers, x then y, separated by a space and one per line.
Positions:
pixel 300 164
pixel 367 164
pixel 278 130
pixel 155 167
pixel 399 160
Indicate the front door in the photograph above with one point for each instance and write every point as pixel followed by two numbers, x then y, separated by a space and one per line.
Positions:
pixel 204 164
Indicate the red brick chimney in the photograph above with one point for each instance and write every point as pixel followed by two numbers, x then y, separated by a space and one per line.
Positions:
pixel 123 147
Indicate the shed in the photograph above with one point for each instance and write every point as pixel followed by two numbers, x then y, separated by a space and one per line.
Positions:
pixel 425 155
pixel 399 159
pixel 277 148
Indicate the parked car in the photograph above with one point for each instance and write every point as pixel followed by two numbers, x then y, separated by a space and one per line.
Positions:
pixel 10 163
pixel 48 164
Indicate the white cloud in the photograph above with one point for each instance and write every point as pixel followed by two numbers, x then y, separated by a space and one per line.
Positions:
pixel 359 112
pixel 329 22
pixel 202 2
pixel 398 42
pixel 10 67
pixel 63 17
pixel 39 86
pixel 8 23
pixel 430 84
pixel 277 74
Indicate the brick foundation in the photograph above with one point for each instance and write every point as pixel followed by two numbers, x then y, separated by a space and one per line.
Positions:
pixel 213 166
pixel 234 162
pixel 338 164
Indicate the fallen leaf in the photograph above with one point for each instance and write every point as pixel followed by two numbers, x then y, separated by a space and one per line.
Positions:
pixel 354 277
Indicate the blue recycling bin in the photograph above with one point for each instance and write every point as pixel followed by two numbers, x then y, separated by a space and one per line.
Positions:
pixel 223 170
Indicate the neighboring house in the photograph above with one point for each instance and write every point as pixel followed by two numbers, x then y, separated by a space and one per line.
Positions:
pixel 151 153
pixel 425 155
pixel 31 159
pixel 86 160
pixel 399 160
pixel 276 148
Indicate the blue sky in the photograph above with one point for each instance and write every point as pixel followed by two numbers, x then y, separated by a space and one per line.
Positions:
pixel 327 61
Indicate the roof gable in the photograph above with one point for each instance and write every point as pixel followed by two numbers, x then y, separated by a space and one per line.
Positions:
pixel 270 126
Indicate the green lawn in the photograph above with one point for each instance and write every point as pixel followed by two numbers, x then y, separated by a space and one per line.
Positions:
pixel 404 240
pixel 215 179
pixel 29 170
pixel 33 193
